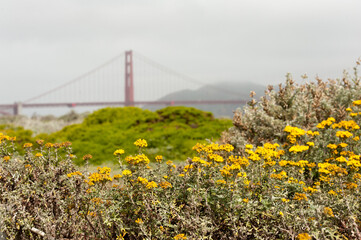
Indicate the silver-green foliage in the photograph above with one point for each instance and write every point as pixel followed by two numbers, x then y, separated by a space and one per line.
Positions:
pixel 299 105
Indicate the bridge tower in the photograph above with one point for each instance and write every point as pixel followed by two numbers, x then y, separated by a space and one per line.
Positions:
pixel 129 87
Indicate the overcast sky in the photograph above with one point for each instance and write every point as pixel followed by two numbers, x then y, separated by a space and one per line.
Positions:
pixel 44 43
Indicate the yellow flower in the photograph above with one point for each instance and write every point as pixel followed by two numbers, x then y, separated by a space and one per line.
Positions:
pixel 281 213
pixel 226 147
pixel 311 144
pixel 151 185
pixel 294 133
pixel 245 200
pixel 249 146
pixel 351 185
pixel 328 211
pixel 331 192
pixel 304 236
pixel 180 237
pixel 357 102
pixel 348 110
pixel 27 145
pixel 141 143
pixel 165 184
pixel 139 221
pixel 221 182
pixel 298 148
pixel 6 158
pixel 159 158
pixel 332 146
pixel 118 152
pixel 300 197
pixel 74 174
pixel 143 180
pixel 116 176
pixel 137 160
pixel 343 134
pixel 353 114
pixel 38 155
pixel 343 145
pixel 49 145
pixel 87 157
pixel 127 172
pixel 279 176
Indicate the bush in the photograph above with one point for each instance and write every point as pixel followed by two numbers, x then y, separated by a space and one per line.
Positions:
pixel 296 105
pixel 170 132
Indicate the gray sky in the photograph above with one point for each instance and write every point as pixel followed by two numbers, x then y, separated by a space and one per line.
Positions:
pixel 44 43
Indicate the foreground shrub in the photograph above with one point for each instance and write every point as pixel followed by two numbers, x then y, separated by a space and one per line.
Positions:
pixel 305 186
pixel 301 106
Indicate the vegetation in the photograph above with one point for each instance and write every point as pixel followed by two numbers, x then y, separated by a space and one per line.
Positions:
pixel 292 177
pixel 170 132
pixel 304 187
pixel 297 105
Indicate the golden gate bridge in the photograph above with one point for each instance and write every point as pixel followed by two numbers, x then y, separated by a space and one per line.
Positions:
pixel 112 84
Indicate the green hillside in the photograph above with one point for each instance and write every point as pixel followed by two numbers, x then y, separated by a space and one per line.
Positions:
pixel 170 132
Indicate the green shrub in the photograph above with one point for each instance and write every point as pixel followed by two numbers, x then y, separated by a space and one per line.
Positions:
pixel 170 132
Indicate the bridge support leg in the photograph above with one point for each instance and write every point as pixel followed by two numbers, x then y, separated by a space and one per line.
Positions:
pixel 129 87
pixel 18 108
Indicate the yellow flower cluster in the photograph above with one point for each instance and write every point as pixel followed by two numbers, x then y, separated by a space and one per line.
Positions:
pixel 252 155
pixel 118 152
pixel 201 161
pixel 357 102
pixel 304 236
pixel 151 185
pixel 6 158
pixel 348 125
pixel 221 181
pixel 238 161
pixel 27 145
pixel 300 197
pixel 139 221
pixel 141 143
pixel 298 148
pixel 213 147
pixel 294 133
pixel 325 123
pixel 331 169
pixel 137 160
pixel 300 163
pixel 215 157
pixel 315 133
pixel 103 175
pixel 127 172
pixel 159 158
pixel 226 171
pixel 279 176
pixel 328 211
pixel 147 184
pixel 310 190
pixel 74 174
pixel 180 237
pixel 165 184
pixel 343 134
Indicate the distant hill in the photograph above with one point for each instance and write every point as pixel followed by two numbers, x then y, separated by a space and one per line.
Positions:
pixel 219 91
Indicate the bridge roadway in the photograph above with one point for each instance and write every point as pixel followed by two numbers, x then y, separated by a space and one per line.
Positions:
pixel 18 106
